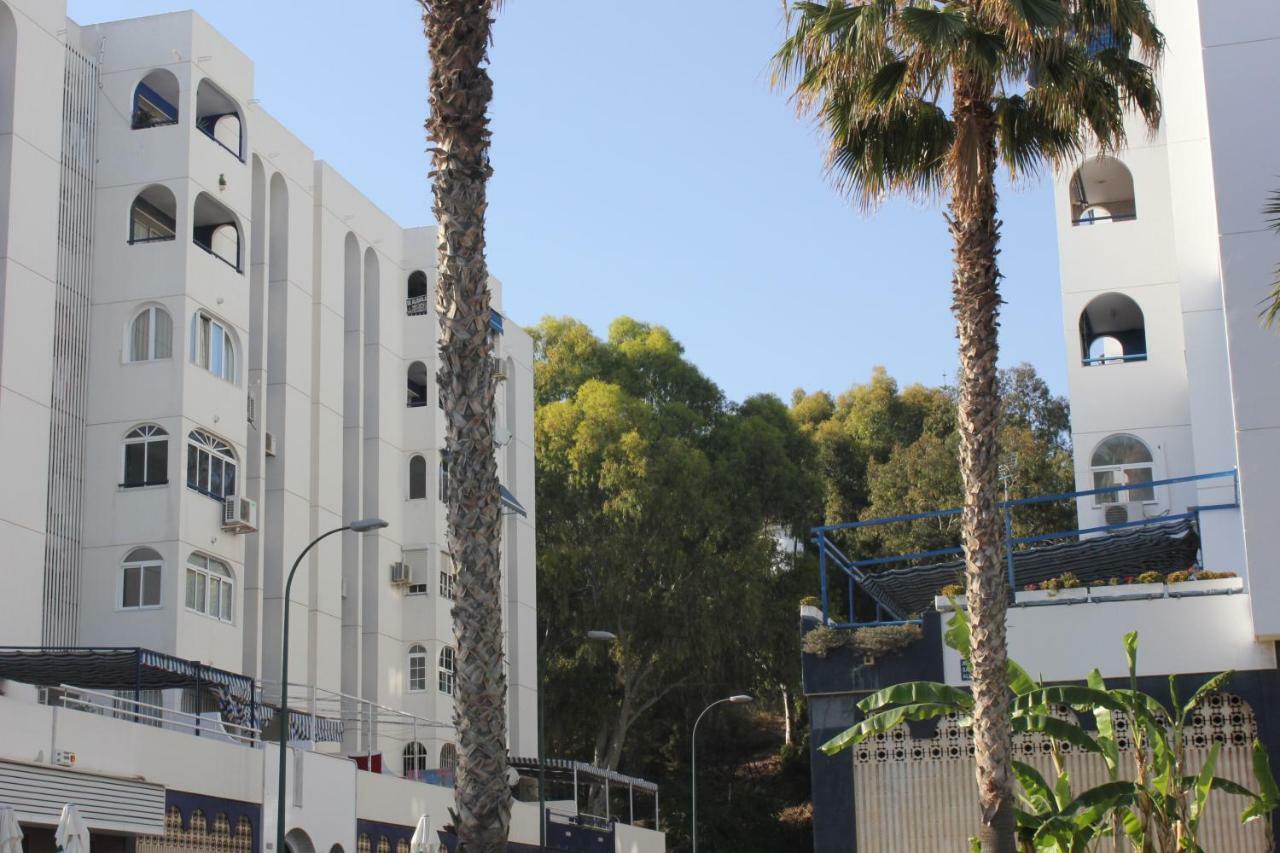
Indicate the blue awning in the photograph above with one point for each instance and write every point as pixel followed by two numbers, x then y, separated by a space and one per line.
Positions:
pixel 509 501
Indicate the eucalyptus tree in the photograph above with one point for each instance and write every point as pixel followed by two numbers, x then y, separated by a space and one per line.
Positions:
pixel 929 98
pixel 460 91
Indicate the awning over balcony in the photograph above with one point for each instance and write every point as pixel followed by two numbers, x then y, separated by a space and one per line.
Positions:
pixel 509 502
pixel 1158 547
pixel 114 669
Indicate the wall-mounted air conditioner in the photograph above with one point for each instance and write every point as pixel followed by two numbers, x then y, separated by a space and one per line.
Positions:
pixel 400 573
pixel 269 443
pixel 1123 513
pixel 239 515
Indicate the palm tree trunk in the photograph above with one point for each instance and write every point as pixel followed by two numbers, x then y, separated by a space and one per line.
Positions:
pixel 458 34
pixel 976 303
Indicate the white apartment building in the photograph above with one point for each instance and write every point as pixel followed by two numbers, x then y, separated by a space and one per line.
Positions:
pixel 213 349
pixel 1165 260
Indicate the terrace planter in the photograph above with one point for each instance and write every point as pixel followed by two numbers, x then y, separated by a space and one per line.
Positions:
pixel 1126 590
pixel 942 604
pixel 1217 586
pixel 809 611
pixel 1051 596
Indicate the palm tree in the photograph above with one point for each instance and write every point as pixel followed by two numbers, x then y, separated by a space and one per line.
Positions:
pixel 929 98
pixel 458 33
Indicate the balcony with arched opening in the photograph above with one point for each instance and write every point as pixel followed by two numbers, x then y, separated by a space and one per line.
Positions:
pixel 215 229
pixel 417 294
pixel 1112 331
pixel 155 100
pixel 153 215
pixel 1101 192
pixel 218 117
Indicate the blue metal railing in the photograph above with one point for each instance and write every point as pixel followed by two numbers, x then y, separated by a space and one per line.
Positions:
pixel 1113 217
pixel 856 578
pixel 1114 359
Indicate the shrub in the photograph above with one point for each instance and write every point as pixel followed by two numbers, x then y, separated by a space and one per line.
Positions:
pixel 1068 580
pixel 952 590
pixel 876 641
pixel 1113 582
pixel 1214 576
pixel 1149 577
pixel 811 601
pixel 1032 587
pixel 1177 577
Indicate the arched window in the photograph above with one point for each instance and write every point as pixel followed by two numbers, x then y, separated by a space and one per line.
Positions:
pixel 417 668
pixel 140 579
pixel 210 588
pixel 417 385
pixel 153 216
pixel 415 758
pixel 444 476
pixel 213 346
pixel 1123 460
pixel 1112 331
pixel 446 673
pixel 151 334
pixel 214 228
pixel 211 465
pixel 448 757
pixel 384 845
pixel 218 118
pixel 417 477
pixel 1102 191
pixel 155 101
pixel 416 302
pixel 364 844
pixel 146 457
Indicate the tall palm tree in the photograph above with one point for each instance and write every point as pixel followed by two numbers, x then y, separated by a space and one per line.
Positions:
pixel 458 33
pixel 929 98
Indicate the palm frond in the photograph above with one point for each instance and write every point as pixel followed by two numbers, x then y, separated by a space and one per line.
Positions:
pixel 1271 309
pixel 899 150
pixel 1028 136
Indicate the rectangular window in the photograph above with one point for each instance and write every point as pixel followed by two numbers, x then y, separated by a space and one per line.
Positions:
pixel 150 586
pixel 157 462
pixel 132 586
pixel 1134 476
pixel 446 585
pixel 140 345
pixel 417 672
pixel 135 464
pixel 195 591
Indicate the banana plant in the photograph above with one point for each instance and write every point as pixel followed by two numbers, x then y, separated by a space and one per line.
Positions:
pixel 1158 811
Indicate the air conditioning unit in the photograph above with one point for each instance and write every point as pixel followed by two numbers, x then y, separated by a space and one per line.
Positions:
pixel 269 443
pixel 239 515
pixel 1123 513
pixel 400 573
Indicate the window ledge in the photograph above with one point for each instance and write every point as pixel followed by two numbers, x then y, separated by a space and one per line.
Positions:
pixel 210 495
pixel 141 487
pixel 120 608
pixel 217 619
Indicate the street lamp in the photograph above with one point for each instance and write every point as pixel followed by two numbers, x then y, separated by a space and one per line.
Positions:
pixel 739 699
pixel 595 636
pixel 364 525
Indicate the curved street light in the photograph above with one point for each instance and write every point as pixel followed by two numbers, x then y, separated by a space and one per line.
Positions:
pixel 596 636
pixel 363 525
pixel 737 699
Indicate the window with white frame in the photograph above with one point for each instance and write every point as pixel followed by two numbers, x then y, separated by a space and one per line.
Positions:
pixel 444 476
pixel 448 757
pixel 447 581
pixel 211 465
pixel 151 335
pixel 446 673
pixel 417 668
pixel 146 457
pixel 210 588
pixel 213 346
pixel 140 579
pixel 1123 460
pixel 415 759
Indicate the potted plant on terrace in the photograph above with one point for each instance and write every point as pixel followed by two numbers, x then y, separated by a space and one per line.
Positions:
pixel 952 592
pixel 1144 585
pixel 1066 587
pixel 1187 583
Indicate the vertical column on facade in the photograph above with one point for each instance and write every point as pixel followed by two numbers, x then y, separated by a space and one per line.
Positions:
pixel 522 639
pixel 373 586
pixel 70 352
pixel 328 357
pixel 352 480
pixel 287 494
pixel 255 462
pixel 29 146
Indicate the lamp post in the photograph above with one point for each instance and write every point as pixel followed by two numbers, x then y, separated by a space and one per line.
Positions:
pixel 364 525
pixel 595 636
pixel 739 699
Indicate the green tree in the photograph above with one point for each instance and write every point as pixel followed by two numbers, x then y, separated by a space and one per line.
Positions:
pixel 458 34
pixel 923 98
pixel 657 501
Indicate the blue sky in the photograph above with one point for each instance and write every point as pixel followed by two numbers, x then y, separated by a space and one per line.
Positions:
pixel 644 167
